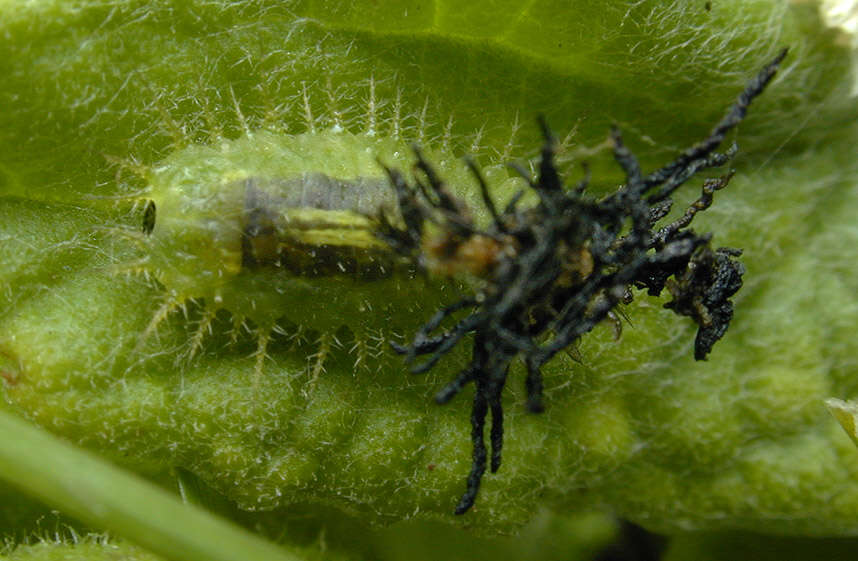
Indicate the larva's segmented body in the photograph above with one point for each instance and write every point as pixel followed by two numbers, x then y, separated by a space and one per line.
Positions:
pixel 277 227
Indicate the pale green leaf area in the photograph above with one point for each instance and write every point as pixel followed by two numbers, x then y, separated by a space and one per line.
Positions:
pixel 85 550
pixel 98 97
pixel 69 546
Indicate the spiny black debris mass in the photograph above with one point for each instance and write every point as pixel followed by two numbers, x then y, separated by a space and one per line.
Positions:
pixel 562 266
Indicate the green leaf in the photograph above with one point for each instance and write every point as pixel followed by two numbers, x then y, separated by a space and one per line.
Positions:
pixel 88 550
pixel 96 91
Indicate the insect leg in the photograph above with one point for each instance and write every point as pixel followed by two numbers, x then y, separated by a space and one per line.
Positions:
pixel 455 335
pixel 702 203
pixel 714 160
pixel 496 434
pixel 478 464
pixel 455 385
pixel 533 385
pixel 733 117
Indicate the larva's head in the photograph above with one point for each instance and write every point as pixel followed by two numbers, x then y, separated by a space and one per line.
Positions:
pixel 193 220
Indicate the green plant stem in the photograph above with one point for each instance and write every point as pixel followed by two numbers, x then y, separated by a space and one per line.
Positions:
pixel 99 494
